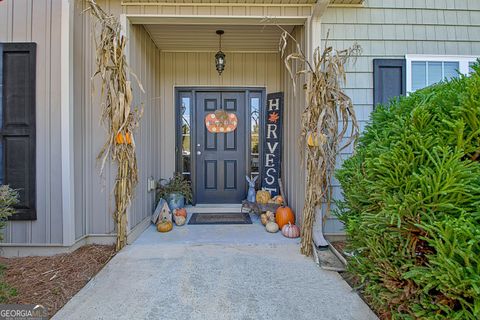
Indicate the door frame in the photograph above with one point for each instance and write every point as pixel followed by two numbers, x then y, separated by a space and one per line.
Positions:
pixel 190 91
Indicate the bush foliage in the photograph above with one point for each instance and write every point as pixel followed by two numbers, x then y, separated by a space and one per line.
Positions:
pixel 411 204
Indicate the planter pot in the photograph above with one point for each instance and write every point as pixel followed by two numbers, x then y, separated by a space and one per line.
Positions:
pixel 175 201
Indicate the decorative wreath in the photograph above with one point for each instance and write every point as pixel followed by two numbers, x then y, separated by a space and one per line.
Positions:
pixel 221 121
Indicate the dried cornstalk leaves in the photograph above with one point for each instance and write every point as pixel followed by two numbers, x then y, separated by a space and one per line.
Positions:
pixel 327 119
pixel 117 114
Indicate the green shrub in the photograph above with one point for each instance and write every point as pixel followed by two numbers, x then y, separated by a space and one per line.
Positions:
pixel 411 204
pixel 8 198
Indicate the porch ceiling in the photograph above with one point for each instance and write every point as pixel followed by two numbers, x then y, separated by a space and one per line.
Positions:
pixel 255 38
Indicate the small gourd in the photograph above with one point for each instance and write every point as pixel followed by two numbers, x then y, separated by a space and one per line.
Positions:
pixel 164 226
pixel 179 220
pixel 180 212
pixel 270 216
pixel 264 218
pixel 278 199
pixel 263 196
pixel 271 227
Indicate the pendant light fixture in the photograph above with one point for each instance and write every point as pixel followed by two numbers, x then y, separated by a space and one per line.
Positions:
pixel 220 56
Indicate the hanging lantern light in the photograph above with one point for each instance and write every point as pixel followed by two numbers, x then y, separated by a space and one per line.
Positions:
pixel 220 56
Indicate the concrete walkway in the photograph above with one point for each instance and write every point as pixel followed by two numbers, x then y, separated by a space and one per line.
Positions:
pixel 215 272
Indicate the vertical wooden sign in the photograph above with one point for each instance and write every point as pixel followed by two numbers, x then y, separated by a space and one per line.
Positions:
pixel 272 144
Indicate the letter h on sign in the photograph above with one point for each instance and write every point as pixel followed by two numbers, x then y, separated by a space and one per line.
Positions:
pixel 272 145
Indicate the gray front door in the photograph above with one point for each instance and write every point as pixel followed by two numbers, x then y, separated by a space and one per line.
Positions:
pixel 220 157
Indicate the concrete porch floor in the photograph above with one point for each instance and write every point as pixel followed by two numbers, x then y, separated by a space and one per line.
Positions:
pixel 215 272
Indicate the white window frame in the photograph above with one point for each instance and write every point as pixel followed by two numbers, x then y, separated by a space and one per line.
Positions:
pixel 463 62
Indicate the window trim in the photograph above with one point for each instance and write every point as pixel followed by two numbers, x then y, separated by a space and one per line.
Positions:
pixel 463 62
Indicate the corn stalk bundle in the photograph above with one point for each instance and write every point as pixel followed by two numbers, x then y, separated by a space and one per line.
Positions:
pixel 117 114
pixel 325 121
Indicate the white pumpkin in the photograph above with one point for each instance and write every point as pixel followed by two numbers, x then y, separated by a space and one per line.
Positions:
pixel 179 220
pixel 272 227
pixel 291 231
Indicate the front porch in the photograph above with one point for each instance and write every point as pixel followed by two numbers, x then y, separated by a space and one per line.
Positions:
pixel 215 272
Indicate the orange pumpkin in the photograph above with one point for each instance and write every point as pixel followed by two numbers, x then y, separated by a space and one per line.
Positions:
pixel 181 212
pixel 283 216
pixel 128 138
pixel 119 139
pixel 164 226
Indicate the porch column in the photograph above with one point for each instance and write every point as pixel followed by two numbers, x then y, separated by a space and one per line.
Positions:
pixel 314 40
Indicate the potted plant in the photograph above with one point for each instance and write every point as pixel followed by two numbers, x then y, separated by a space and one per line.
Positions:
pixel 176 191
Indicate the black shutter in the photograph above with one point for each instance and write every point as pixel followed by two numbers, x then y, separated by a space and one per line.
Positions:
pixel 389 79
pixel 17 119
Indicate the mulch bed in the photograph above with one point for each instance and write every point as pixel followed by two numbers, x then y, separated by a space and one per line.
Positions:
pixel 52 281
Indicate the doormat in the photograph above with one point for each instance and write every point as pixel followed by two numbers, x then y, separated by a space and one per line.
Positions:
pixel 220 218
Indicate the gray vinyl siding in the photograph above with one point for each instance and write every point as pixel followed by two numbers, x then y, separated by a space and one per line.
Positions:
pixel 94 199
pixel 37 21
pixel 392 29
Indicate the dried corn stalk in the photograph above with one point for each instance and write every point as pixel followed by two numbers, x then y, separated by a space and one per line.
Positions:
pixel 117 114
pixel 325 120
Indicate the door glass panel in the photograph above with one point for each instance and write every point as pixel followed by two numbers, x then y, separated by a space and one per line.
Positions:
pixel 254 136
pixel 186 131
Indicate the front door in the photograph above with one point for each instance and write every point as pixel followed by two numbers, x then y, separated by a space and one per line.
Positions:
pixel 220 157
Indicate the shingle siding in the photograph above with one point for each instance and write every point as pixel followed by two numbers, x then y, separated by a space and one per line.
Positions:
pixel 392 29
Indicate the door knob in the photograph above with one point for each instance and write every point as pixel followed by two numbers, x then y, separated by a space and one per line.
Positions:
pixel 199 153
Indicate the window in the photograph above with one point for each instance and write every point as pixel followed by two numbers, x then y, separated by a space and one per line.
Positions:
pixel 185 113
pixel 424 71
pixel 255 134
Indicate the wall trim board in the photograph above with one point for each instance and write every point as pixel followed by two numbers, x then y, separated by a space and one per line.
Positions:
pixel 67 136
pixel 8 250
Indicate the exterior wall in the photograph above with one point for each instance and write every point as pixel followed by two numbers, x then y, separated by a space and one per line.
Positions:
pixel 94 201
pixel 197 69
pixel 391 29
pixel 293 171
pixel 38 21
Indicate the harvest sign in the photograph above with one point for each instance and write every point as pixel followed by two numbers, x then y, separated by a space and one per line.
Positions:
pixel 273 143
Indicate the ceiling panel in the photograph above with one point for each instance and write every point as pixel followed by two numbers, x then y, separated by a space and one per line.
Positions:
pixel 204 38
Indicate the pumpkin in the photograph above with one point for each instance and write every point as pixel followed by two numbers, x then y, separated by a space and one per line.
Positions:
pixel 264 218
pixel 164 226
pixel 119 139
pixel 291 231
pixel 181 212
pixel 180 220
pixel 278 199
pixel 263 196
pixel 271 227
pixel 221 122
pixel 283 216
pixel 128 138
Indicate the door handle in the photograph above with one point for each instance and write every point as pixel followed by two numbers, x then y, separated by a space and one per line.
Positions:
pixel 199 153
